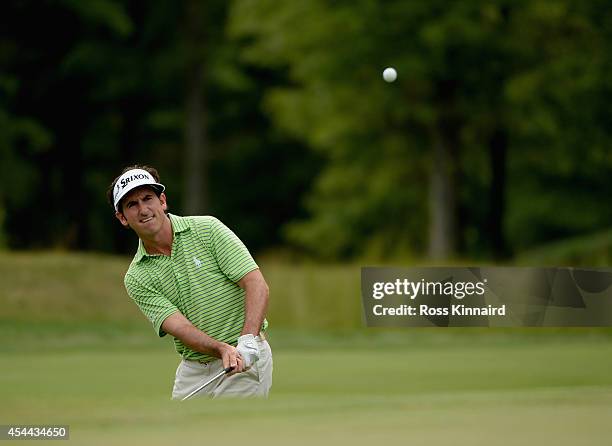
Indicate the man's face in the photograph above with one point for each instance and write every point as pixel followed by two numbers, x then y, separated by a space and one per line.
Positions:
pixel 143 211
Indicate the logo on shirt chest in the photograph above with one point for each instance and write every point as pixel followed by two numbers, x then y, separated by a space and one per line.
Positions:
pixel 197 262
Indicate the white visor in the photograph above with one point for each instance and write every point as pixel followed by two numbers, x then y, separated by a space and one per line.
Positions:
pixel 132 179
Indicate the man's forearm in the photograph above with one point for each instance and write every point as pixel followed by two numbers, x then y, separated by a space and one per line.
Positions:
pixel 179 326
pixel 256 301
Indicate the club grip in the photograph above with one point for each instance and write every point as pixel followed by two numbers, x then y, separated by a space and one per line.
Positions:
pixel 228 369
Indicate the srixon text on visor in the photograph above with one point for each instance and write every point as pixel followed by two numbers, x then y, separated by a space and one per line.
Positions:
pixel 137 176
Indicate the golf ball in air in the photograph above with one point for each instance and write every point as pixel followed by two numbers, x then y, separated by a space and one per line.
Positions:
pixel 389 74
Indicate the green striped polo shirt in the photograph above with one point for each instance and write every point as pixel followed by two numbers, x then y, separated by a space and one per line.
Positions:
pixel 199 279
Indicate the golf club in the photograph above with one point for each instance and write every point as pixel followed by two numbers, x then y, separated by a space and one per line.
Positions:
pixel 221 373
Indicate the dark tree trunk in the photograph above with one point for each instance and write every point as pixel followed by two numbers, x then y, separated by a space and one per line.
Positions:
pixel 444 176
pixel 196 140
pixel 443 202
pixel 498 147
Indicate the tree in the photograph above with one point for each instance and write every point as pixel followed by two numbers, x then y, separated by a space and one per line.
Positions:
pixel 110 87
pixel 382 141
pixel 475 84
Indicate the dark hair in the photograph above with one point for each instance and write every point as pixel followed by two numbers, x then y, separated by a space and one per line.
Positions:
pixel 109 191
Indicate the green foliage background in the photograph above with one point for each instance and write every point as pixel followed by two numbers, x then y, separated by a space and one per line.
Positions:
pixel 309 151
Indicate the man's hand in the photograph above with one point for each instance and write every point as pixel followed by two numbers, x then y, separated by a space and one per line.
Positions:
pixel 179 326
pixel 231 358
pixel 248 349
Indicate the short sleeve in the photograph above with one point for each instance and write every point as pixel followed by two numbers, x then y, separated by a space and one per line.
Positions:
pixel 154 305
pixel 231 254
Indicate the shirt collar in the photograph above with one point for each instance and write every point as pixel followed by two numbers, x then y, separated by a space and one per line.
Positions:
pixel 179 224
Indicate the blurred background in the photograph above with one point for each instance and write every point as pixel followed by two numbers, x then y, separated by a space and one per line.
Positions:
pixel 493 146
pixel 493 142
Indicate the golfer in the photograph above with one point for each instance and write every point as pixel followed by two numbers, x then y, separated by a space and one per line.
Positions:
pixel 194 279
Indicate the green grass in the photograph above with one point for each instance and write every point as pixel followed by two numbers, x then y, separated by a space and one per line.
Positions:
pixel 76 351
pixel 60 288
pixel 547 392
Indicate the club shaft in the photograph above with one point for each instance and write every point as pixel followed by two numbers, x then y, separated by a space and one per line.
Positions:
pixel 221 373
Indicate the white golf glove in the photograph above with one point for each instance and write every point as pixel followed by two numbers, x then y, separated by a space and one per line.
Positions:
pixel 248 349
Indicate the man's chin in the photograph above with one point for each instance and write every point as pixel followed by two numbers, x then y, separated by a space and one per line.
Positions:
pixel 145 228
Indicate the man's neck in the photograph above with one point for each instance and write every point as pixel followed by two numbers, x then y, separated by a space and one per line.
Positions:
pixel 160 243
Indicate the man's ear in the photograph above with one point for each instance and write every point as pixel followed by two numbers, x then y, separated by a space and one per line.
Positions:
pixel 162 199
pixel 121 218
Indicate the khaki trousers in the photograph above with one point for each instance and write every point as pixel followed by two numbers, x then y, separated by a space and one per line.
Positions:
pixel 255 382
